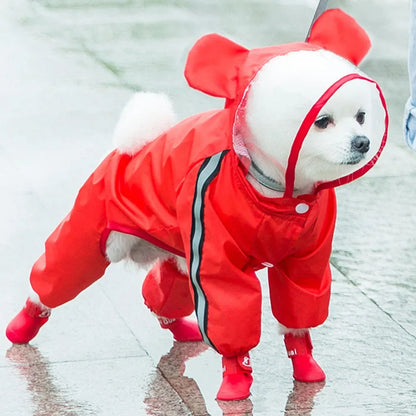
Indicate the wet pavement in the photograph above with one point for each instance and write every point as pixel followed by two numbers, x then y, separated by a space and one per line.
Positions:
pixel 68 67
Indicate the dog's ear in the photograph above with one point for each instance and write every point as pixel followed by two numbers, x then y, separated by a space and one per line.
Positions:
pixel 212 65
pixel 340 33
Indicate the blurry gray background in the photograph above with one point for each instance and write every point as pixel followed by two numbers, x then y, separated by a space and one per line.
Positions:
pixel 68 67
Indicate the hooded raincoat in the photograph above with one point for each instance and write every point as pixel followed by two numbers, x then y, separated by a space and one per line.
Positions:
pixel 187 192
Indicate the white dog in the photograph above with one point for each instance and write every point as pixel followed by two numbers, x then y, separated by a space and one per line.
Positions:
pixel 221 194
pixel 346 134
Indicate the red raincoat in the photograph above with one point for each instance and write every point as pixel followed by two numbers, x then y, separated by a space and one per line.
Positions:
pixel 187 192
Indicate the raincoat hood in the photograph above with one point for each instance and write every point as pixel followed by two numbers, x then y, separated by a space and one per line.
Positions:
pixel 222 68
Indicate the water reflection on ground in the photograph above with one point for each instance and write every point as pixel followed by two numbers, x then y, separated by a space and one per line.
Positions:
pixel 48 399
pixel 301 399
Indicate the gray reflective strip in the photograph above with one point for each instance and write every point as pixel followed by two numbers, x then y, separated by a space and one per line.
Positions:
pixel 205 176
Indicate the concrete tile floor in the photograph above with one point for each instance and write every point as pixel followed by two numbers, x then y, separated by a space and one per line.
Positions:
pixel 68 68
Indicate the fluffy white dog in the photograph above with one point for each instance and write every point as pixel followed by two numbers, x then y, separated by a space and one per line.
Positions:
pixel 221 194
pixel 345 136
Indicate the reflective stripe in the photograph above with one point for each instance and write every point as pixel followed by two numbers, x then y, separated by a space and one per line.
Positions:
pixel 208 171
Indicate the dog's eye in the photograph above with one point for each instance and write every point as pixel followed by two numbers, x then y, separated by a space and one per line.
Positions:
pixel 360 117
pixel 323 122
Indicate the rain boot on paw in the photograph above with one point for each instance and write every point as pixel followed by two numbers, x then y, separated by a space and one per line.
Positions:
pixel 236 378
pixel 183 329
pixel 26 324
pixel 299 350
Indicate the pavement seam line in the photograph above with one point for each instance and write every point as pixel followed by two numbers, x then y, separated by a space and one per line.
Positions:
pixel 389 315
pixel 127 325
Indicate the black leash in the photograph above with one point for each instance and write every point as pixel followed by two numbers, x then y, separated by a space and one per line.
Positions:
pixel 319 10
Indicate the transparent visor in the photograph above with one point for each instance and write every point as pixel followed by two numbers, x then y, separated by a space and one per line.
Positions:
pixel 342 132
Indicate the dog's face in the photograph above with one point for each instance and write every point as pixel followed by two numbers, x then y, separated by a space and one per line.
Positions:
pixel 346 134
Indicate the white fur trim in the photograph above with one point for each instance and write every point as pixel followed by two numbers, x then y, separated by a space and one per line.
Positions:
pixel 34 297
pixel 297 332
pixel 145 117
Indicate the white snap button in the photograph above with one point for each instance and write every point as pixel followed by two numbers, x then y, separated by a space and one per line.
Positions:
pixel 302 208
pixel 267 264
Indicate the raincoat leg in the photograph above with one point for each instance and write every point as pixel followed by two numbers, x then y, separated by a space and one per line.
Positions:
pixel 231 323
pixel 73 258
pixel 229 311
pixel 300 303
pixel 300 308
pixel 166 292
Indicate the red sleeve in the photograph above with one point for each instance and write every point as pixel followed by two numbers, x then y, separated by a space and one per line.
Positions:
pixel 227 294
pixel 300 285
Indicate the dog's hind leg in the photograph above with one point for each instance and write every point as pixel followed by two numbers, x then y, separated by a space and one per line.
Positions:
pixel 167 293
pixel 72 261
pixel 27 323
pixel 166 288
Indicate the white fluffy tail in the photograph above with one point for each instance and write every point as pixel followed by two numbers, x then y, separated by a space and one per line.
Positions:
pixel 145 117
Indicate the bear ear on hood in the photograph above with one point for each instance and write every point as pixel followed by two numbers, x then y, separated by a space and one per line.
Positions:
pixel 340 33
pixel 212 65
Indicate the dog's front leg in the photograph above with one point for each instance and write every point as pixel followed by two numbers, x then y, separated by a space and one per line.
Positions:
pixel 299 349
pixel 27 323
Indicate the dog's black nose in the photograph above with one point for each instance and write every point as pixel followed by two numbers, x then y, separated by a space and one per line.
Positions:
pixel 360 144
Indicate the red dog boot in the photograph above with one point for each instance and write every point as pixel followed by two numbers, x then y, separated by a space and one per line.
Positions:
pixel 305 368
pixel 236 378
pixel 26 324
pixel 183 329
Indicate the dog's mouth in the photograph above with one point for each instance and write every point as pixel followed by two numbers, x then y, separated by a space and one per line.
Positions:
pixel 353 159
